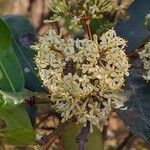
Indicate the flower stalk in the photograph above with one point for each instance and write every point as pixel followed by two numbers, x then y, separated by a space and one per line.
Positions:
pixel 87 27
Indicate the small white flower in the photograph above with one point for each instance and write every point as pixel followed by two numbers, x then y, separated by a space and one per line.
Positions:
pixel 82 75
pixel 145 57
pixel 76 10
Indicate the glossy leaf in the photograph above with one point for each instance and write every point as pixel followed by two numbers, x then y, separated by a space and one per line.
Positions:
pixel 13 98
pixel 18 129
pixel 23 36
pixel 11 77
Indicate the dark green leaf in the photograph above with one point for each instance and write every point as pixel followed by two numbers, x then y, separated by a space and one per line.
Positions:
pixel 32 112
pixel 100 26
pixel 11 77
pixel 23 36
pixel 136 112
pixel 133 30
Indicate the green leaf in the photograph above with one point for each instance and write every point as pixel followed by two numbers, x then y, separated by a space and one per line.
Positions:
pixel 95 140
pixel 19 136
pixel 136 112
pixel 70 134
pixel 24 35
pixel 12 98
pixel 100 26
pixel 19 131
pixel 11 77
pixel 133 30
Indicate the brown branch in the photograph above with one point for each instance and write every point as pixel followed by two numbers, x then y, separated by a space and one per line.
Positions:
pixel 82 138
pixel 46 140
pixel 104 134
pixel 50 113
pixel 125 141
pixel 48 128
pixel 132 55
pixel 37 98
pixel 41 121
pixel 129 144
pixel 50 142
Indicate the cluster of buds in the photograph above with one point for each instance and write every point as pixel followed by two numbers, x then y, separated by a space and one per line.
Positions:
pixel 84 77
pixel 76 10
pixel 145 57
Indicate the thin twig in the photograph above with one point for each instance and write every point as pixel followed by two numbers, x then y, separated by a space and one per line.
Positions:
pixel 129 144
pixel 41 121
pixel 104 134
pixel 87 27
pixel 45 141
pixel 132 55
pixel 49 128
pixel 125 141
pixel 82 138
pixel 50 113
pixel 35 98
pixel 50 142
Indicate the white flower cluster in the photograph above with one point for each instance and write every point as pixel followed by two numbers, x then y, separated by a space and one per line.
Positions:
pixel 77 9
pixel 84 77
pixel 145 57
